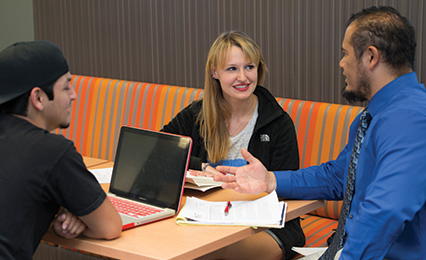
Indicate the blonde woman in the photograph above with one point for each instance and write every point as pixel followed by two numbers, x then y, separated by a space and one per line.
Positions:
pixel 237 113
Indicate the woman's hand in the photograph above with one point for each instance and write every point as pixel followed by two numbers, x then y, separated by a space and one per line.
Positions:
pixel 209 171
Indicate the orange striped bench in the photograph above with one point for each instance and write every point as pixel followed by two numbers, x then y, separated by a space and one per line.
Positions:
pixel 322 131
pixel 104 105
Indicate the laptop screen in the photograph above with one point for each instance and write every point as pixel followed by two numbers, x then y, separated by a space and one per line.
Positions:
pixel 150 167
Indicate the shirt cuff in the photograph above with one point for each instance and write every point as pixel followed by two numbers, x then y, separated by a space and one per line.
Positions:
pixel 284 183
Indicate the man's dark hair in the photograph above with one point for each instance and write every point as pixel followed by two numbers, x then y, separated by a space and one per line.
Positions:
pixel 18 106
pixel 384 28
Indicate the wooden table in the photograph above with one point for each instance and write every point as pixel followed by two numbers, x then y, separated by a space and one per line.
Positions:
pixel 93 162
pixel 167 240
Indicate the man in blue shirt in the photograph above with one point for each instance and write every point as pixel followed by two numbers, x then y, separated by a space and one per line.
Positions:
pixel 387 218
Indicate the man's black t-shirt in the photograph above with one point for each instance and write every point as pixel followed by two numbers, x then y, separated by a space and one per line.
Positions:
pixel 39 172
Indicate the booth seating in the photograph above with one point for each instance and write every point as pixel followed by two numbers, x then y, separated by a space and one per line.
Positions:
pixel 104 105
pixel 322 131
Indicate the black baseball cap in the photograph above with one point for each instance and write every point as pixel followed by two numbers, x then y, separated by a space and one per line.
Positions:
pixel 25 65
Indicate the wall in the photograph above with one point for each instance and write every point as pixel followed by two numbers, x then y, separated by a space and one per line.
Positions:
pixel 166 41
pixel 16 22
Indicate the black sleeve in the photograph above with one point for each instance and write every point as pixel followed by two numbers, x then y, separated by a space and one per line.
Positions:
pixel 183 122
pixel 195 163
pixel 73 186
pixel 286 152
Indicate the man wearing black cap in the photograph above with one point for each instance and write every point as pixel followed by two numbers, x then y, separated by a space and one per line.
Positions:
pixel 40 172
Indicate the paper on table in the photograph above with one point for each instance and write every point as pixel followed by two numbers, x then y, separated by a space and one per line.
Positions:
pixel 201 183
pixel 309 253
pixel 264 212
pixel 200 188
pixel 103 175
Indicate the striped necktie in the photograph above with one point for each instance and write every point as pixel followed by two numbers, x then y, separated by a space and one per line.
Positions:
pixel 339 237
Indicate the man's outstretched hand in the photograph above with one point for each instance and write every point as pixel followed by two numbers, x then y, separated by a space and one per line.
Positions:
pixel 252 178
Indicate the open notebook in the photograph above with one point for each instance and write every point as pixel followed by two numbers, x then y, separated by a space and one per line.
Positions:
pixel 149 169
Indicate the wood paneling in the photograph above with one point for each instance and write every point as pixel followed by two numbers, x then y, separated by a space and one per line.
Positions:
pixel 166 41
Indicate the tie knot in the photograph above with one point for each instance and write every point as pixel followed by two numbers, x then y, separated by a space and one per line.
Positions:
pixel 365 118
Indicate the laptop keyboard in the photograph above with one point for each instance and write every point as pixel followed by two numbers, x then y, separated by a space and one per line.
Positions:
pixel 132 209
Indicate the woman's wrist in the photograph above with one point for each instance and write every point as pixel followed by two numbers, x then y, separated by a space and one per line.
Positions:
pixel 204 166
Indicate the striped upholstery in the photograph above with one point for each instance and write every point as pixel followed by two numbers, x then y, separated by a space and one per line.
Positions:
pixel 322 132
pixel 317 230
pixel 322 128
pixel 104 105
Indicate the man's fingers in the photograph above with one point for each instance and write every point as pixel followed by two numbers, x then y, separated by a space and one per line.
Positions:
pixel 77 228
pixel 226 169
pixel 61 217
pixel 81 228
pixel 69 221
pixel 224 178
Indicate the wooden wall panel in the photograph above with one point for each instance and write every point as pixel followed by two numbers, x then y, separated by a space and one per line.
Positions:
pixel 166 41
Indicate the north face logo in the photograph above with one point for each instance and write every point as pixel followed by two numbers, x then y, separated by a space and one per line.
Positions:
pixel 264 138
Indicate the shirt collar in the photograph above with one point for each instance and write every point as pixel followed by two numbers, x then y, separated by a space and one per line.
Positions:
pixel 390 91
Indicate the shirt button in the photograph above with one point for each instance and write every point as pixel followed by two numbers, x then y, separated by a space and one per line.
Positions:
pixel 351 216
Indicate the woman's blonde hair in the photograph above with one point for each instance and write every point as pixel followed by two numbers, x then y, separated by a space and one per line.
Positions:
pixel 215 111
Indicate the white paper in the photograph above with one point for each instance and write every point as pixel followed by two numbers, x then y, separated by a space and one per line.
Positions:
pixel 266 211
pixel 196 187
pixel 103 175
pixel 201 183
pixel 310 253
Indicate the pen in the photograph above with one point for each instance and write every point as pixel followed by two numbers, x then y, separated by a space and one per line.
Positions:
pixel 228 206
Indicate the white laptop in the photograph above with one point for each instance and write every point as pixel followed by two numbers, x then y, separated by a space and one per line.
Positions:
pixel 149 169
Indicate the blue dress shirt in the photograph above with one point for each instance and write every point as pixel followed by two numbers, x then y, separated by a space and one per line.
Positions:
pixel 388 212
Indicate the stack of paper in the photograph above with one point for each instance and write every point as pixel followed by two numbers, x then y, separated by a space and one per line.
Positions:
pixel 201 183
pixel 310 253
pixel 103 175
pixel 267 211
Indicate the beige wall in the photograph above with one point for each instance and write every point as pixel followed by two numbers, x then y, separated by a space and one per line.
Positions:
pixel 16 22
